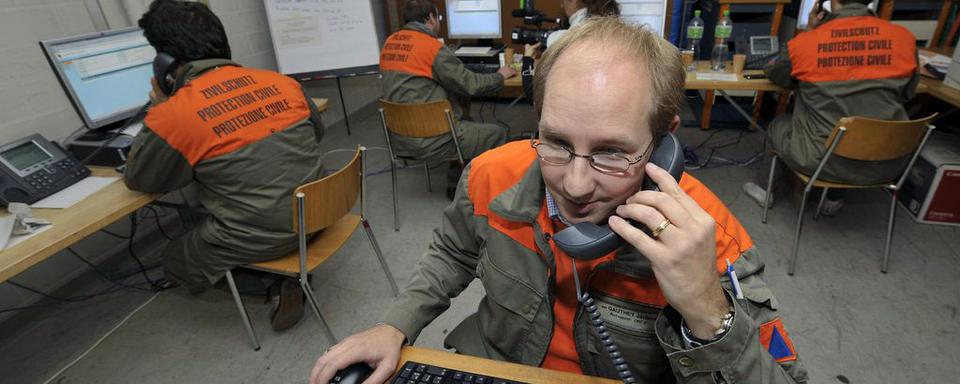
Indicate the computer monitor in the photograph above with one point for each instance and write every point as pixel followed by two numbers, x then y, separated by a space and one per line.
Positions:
pixel 807 5
pixel 106 75
pixel 473 19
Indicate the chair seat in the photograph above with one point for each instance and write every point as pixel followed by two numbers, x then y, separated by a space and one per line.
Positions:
pixel 323 245
pixel 830 184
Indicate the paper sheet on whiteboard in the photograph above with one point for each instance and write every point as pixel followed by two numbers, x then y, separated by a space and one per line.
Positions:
pixel 650 13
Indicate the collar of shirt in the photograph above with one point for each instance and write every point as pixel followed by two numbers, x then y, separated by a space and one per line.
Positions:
pixel 553 211
pixel 578 17
pixel 850 10
pixel 419 27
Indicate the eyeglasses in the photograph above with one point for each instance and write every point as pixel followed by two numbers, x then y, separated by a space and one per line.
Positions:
pixel 604 162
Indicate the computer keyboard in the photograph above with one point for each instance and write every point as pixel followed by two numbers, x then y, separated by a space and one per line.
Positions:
pixel 418 373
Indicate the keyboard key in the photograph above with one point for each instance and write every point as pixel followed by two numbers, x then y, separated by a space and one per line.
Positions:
pixel 458 376
pixel 426 378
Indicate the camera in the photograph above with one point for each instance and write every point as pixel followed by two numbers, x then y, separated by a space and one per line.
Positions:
pixel 523 35
pixel 532 16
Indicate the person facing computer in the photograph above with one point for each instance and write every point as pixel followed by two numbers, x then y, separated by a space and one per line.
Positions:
pixel 241 139
pixel 426 70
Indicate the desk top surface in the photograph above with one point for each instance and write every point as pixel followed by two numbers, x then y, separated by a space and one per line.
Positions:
pixel 939 90
pixel 321 103
pixel 500 369
pixel 703 66
pixel 73 223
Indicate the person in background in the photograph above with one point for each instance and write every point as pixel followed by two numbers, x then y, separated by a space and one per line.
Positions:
pixel 418 68
pixel 241 139
pixel 576 11
pixel 605 93
pixel 849 63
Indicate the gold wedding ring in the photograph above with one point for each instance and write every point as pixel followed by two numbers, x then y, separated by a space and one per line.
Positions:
pixel 659 229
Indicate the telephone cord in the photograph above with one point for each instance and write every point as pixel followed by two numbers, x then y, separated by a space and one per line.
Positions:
pixel 613 350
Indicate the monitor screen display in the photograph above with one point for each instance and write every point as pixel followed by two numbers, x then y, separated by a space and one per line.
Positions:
pixel 473 19
pixel 807 5
pixel 761 45
pixel 106 74
pixel 25 155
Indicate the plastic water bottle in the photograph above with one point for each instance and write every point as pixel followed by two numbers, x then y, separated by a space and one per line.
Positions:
pixel 694 34
pixel 721 34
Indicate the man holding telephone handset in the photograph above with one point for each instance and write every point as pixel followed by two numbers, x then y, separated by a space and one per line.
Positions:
pixel 241 138
pixel 605 93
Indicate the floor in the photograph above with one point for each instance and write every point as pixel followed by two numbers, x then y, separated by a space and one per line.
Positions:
pixel 850 323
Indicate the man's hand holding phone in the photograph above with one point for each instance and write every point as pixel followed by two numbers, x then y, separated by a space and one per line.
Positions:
pixel 681 250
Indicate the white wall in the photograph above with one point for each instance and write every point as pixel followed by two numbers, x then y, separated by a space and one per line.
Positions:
pixel 31 99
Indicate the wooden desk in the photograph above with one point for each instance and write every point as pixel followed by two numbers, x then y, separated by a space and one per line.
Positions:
pixel 73 224
pixel 937 89
pixel 692 82
pixel 500 369
pixel 703 66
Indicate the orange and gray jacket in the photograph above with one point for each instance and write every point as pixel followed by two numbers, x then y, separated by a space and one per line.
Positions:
pixel 418 68
pixel 246 137
pixel 853 64
pixel 498 230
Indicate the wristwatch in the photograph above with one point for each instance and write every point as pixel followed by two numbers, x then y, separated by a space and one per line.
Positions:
pixel 726 322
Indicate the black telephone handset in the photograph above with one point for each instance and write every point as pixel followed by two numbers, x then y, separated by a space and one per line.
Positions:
pixel 588 241
pixel 33 167
pixel 162 66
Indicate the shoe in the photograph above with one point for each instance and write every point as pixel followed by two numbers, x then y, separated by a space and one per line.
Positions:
pixel 831 207
pixel 757 194
pixel 287 305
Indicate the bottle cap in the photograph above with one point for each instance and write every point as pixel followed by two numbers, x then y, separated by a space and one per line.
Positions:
pixel 696 13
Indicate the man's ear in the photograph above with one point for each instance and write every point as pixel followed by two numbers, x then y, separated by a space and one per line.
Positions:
pixel 675 124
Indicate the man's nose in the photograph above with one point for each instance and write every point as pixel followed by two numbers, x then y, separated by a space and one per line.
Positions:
pixel 578 182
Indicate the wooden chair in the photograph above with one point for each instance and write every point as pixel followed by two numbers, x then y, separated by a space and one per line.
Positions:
pixel 860 138
pixel 415 120
pixel 321 207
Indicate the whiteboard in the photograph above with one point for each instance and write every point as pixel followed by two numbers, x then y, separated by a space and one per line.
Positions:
pixel 648 13
pixel 323 36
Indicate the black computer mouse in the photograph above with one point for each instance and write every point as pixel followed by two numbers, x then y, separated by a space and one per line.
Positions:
pixel 354 374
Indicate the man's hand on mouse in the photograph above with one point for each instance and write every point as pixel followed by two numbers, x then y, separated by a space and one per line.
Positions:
pixel 379 347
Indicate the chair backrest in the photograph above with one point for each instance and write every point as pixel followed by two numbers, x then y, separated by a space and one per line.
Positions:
pixel 417 120
pixel 877 140
pixel 329 199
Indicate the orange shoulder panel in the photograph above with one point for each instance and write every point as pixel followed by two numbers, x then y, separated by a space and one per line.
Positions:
pixel 410 52
pixel 492 173
pixel 853 48
pixel 226 109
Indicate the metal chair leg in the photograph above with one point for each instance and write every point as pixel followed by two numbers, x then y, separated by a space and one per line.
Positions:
pixel 379 253
pixel 889 239
pixel 766 202
pixel 396 209
pixel 426 169
pixel 823 197
pixel 243 311
pixel 308 292
pixel 796 236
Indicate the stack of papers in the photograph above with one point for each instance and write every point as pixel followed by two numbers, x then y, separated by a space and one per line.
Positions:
pixel 938 61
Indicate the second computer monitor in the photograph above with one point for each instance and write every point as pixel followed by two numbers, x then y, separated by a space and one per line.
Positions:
pixel 105 74
pixel 473 19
